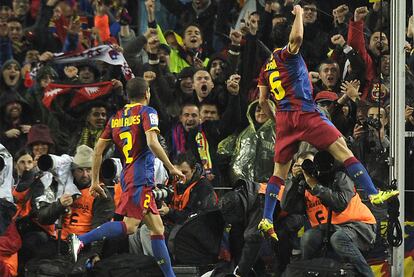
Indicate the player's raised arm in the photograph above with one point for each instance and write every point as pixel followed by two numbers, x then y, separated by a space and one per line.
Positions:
pixel 296 34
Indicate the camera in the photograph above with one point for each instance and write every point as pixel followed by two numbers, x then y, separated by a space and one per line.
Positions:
pixel 370 121
pixel 2 164
pixel 322 167
pixel 163 193
pixel 111 169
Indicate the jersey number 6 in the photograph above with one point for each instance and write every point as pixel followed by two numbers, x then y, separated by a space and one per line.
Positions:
pixel 276 85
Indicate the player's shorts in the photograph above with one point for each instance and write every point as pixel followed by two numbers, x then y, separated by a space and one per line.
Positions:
pixel 136 202
pixel 292 127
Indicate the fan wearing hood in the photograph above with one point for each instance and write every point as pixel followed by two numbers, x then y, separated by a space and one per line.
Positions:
pixel 15 121
pixel 252 152
pixel 10 78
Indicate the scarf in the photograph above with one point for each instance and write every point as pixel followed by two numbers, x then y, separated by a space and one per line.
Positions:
pixel 204 150
pixel 89 137
pixel 105 53
pixel 81 93
pixel 178 139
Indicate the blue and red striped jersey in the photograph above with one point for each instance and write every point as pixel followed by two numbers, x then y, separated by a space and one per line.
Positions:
pixel 127 130
pixel 287 77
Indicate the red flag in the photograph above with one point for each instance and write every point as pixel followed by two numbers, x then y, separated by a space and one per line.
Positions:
pixel 91 92
pixel 81 93
pixel 52 91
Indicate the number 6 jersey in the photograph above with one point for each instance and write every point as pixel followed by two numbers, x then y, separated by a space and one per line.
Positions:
pixel 127 130
pixel 287 77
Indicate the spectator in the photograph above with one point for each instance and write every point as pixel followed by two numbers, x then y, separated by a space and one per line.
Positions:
pixel 88 73
pixel 40 141
pixel 201 13
pixel 378 44
pixel 44 77
pixel 15 121
pixel 251 155
pixel 202 138
pixel 203 85
pixel 183 92
pixel 11 77
pixel 189 119
pixel 315 40
pixel 353 67
pixel 89 132
pixel 329 76
pixel 21 9
pixel 19 42
pixel 372 144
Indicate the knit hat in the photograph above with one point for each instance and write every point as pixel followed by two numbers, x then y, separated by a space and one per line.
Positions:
pixel 326 96
pixel 39 133
pixel 83 157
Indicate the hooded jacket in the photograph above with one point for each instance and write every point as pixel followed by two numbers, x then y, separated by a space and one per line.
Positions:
pixel 252 152
pixel 13 144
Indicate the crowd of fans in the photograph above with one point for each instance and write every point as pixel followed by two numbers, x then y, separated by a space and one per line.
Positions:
pixel 201 59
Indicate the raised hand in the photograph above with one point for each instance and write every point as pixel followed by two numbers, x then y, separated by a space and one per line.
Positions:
pixel 360 13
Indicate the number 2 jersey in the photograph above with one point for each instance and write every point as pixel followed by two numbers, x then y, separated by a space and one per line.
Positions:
pixel 127 130
pixel 287 77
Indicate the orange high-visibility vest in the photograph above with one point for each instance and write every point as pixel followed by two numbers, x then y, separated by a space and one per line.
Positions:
pixel 79 219
pixel 11 263
pixel 355 211
pixel 180 201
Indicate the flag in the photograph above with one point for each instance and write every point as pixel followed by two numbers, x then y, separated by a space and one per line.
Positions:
pixel 80 93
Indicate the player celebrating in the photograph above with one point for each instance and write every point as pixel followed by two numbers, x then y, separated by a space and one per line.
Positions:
pixel 134 131
pixel 286 76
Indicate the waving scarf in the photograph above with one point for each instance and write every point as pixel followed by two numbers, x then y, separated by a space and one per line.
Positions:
pixel 81 93
pixel 105 53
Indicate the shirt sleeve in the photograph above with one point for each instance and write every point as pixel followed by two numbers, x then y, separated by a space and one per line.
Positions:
pixel 107 132
pixel 263 80
pixel 150 119
pixel 286 54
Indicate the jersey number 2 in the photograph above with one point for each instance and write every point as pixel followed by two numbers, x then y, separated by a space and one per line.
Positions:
pixel 127 138
pixel 276 85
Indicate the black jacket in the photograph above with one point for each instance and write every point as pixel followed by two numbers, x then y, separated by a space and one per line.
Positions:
pixel 202 198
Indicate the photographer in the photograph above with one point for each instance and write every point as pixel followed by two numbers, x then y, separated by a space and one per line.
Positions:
pixel 371 144
pixel 6 174
pixel 193 196
pixel 67 198
pixel 353 225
